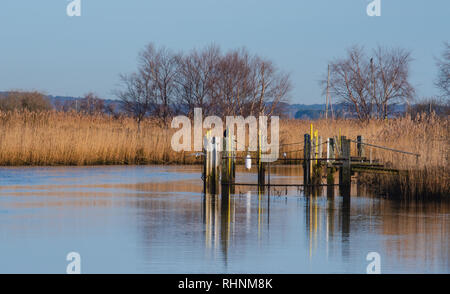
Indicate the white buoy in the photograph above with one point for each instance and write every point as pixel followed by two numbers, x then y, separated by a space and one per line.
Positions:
pixel 248 162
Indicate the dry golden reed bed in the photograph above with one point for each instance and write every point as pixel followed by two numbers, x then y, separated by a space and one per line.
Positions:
pixel 58 138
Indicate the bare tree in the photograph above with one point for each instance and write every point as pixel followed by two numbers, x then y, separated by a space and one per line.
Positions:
pixel 370 85
pixel 391 69
pixel 246 84
pixel 443 80
pixel 196 79
pixel 160 68
pixel 151 89
pixel 268 87
pixel 231 89
pixel 136 96
pixel 235 83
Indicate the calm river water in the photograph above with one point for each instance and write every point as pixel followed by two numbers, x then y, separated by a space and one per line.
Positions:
pixel 155 219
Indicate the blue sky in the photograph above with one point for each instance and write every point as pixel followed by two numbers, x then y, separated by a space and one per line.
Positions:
pixel 41 48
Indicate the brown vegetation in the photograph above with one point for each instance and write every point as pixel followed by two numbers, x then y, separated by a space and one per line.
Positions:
pixel 69 138
pixel 30 101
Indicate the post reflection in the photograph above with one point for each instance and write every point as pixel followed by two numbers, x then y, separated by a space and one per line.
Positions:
pixel 218 220
pixel 322 213
pixel 312 215
pixel 222 225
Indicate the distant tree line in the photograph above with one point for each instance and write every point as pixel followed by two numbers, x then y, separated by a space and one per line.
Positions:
pixel 235 82
pixel 438 106
pixel 231 83
pixel 89 104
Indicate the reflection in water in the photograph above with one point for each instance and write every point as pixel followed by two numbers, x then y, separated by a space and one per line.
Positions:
pixel 321 215
pixel 156 220
pixel 218 220
pixel 219 217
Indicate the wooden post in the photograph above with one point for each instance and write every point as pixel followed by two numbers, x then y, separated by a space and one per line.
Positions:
pixel 345 170
pixel 207 163
pixel 330 150
pixel 341 138
pixel 360 147
pixel 307 160
pixel 233 161
pixel 330 168
pixel 215 164
pixel 211 165
pixel 261 168
pixel 228 159
pixel 225 177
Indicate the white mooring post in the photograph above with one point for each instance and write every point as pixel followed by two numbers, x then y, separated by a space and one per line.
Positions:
pixel 330 150
pixel 211 164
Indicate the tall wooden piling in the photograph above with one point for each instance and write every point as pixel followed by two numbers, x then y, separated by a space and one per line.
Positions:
pixel 228 159
pixel 330 169
pixel 216 163
pixel 259 162
pixel 345 170
pixel 307 161
pixel 330 150
pixel 341 138
pixel 360 146
pixel 211 165
pixel 205 163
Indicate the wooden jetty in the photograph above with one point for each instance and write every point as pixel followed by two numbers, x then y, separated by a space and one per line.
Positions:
pixel 219 164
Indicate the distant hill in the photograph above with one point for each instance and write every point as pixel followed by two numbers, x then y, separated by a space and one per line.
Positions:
pixel 57 101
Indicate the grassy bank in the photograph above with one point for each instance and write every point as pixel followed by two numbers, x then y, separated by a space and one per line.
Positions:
pixel 58 138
